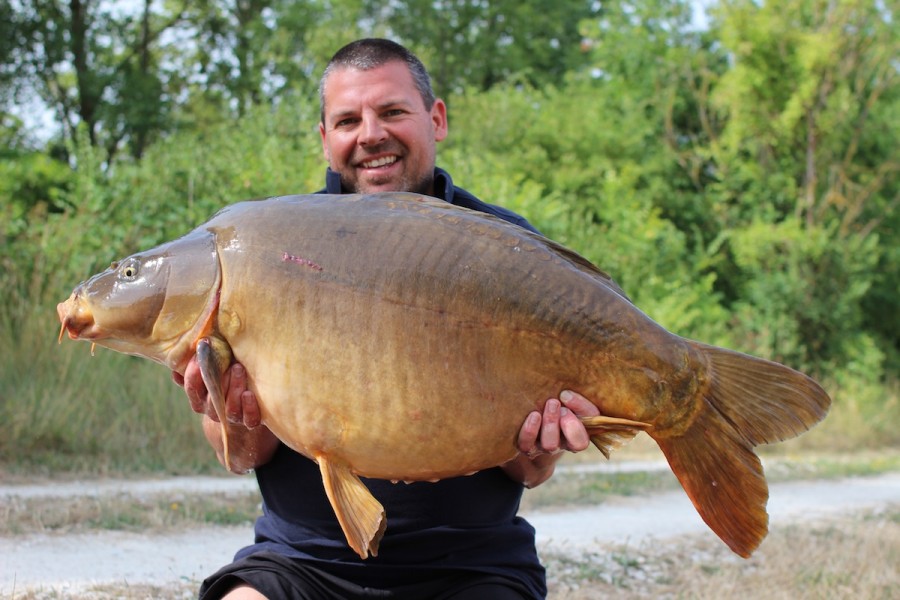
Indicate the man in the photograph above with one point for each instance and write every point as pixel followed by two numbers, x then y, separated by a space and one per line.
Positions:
pixel 458 538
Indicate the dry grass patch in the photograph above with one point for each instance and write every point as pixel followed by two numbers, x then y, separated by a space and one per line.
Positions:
pixel 848 557
pixel 125 591
pixel 151 514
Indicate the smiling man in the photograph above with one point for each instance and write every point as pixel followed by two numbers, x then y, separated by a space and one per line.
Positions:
pixel 378 130
pixel 454 539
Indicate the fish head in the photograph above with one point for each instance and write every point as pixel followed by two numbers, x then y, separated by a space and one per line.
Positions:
pixel 153 304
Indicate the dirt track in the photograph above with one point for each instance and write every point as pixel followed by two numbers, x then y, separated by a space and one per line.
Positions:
pixel 66 563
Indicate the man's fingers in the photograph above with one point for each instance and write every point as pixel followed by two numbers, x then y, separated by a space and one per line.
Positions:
pixel 528 434
pixel 234 386
pixel 194 387
pixel 578 404
pixel 252 416
pixel 550 426
pixel 573 431
pixel 558 427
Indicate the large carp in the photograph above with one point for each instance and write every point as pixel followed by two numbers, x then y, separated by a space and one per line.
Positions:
pixel 400 337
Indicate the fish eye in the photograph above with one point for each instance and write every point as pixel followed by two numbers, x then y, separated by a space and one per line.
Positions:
pixel 129 270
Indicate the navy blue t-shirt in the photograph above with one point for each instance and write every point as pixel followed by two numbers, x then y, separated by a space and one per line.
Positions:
pixel 433 529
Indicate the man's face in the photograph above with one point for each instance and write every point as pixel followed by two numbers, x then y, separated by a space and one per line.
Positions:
pixel 377 133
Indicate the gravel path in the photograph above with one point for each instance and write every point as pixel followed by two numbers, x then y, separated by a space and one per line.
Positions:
pixel 66 563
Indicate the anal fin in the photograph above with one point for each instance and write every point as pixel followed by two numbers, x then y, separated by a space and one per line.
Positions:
pixel 610 433
pixel 361 516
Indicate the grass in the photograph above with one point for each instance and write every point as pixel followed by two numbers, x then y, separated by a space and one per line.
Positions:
pixel 591 488
pixel 150 513
pixel 165 512
pixel 851 556
pixel 847 557
pixel 65 411
pixel 594 488
pixel 123 591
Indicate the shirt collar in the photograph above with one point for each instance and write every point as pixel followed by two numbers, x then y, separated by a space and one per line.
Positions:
pixel 443 185
pixel 332 182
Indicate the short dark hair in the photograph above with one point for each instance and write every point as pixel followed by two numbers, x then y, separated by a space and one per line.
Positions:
pixel 370 53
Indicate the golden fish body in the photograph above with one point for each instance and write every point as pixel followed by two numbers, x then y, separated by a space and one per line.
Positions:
pixel 400 337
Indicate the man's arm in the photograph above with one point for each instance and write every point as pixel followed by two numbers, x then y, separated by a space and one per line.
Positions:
pixel 546 435
pixel 250 443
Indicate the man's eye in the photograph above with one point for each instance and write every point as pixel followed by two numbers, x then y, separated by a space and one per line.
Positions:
pixel 345 123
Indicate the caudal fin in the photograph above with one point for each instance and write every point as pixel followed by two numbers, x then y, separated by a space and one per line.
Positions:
pixel 749 401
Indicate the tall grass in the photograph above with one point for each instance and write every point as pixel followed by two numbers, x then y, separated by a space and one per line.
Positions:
pixel 63 410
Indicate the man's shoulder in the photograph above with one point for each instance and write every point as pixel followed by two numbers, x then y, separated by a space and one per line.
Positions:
pixel 466 199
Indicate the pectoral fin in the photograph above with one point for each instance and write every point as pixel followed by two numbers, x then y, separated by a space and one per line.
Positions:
pixel 213 358
pixel 361 516
pixel 609 433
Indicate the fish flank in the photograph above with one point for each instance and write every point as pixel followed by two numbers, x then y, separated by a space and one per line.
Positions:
pixel 285 257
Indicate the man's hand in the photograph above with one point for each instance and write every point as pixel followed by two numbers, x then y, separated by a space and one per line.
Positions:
pixel 250 444
pixel 545 435
pixel 240 403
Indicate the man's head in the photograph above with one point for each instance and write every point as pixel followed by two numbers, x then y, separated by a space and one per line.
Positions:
pixel 380 118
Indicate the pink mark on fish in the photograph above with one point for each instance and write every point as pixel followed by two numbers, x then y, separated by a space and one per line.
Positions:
pixel 285 257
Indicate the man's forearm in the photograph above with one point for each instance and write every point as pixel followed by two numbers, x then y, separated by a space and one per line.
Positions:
pixel 531 472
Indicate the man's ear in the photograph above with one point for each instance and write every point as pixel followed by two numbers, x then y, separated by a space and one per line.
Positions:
pixel 439 120
pixel 324 145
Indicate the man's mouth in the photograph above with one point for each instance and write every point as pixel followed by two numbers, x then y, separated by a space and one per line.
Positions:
pixel 379 162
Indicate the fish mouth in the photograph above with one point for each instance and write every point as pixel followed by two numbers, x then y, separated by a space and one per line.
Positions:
pixel 76 319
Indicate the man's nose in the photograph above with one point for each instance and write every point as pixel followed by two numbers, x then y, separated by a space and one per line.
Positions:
pixel 372 133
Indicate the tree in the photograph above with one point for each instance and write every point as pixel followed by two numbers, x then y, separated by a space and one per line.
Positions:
pixel 95 67
pixel 470 44
pixel 248 52
pixel 807 172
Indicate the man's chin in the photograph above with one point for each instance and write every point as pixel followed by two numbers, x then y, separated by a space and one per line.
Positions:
pixel 376 185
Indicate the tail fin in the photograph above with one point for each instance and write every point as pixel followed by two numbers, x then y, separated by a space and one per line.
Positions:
pixel 749 401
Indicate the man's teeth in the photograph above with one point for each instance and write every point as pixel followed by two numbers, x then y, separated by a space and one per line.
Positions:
pixel 387 160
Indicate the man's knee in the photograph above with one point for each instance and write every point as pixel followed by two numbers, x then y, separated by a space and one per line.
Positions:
pixel 243 592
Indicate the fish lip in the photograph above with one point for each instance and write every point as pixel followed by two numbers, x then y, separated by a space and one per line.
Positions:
pixel 77 321
pixel 81 330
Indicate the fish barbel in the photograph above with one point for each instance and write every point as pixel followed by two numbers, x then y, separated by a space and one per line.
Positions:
pixel 400 337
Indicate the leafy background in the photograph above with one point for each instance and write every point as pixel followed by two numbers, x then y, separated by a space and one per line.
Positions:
pixel 732 164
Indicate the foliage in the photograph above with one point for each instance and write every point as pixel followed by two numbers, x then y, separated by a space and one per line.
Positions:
pixel 64 410
pixel 808 151
pixel 739 182
pixel 472 45
pixel 800 300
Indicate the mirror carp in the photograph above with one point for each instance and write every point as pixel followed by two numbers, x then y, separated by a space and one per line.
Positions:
pixel 400 337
